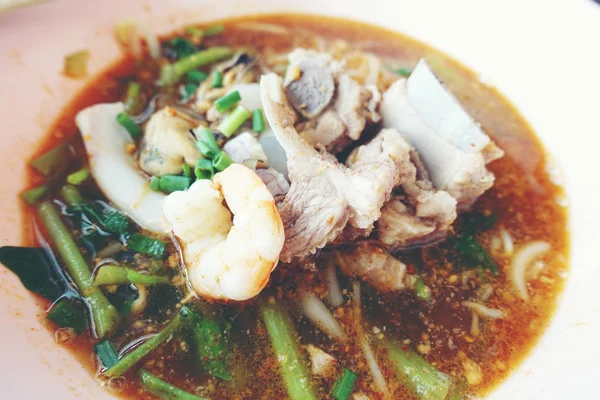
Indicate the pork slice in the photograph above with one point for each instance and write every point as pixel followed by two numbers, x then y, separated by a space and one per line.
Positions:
pixel 374 264
pixel 325 195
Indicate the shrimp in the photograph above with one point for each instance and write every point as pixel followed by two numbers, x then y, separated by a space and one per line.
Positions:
pixel 227 258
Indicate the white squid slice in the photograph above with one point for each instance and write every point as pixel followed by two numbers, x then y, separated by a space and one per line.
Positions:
pixel 115 171
pixel 439 109
pixel 251 100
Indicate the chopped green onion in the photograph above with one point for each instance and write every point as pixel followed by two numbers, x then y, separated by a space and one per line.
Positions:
pixel 171 73
pixel 146 245
pixel 155 183
pixel 194 32
pixel 72 196
pixel 187 170
pixel 188 91
pixel 77 178
pixel 52 161
pixel 214 30
pixel 34 195
pixel 117 275
pixel 132 98
pixel 206 143
pixel 76 64
pixel 204 169
pixel 217 79
pixel 423 291
pixel 258 121
pixel 174 183
pixel 233 121
pixel 222 161
pixel 163 389
pixel 197 76
pixel 145 279
pixel 106 353
pixel 129 124
pixel 226 102
pixel 403 71
pixel 344 385
pixel 136 355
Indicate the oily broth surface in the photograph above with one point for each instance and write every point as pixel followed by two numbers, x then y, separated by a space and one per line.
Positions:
pixel 524 199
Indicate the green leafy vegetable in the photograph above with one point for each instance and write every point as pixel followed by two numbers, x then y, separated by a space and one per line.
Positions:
pixel 182 47
pixel 209 342
pixel 106 353
pixel 196 76
pixel 188 91
pixel 146 245
pixel 35 269
pixel 472 253
pixel 344 385
pixel 68 313
pixel 129 124
pixel 474 222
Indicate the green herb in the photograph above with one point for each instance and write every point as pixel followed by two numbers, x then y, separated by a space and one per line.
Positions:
pixel 474 222
pixel 52 161
pixel 106 353
pixel 473 254
pixel 217 79
pixel 182 47
pixel 78 177
pixel 129 124
pixel 117 275
pixel 210 343
pixel 111 219
pixel 222 161
pixel 36 194
pixel 214 30
pixel 187 170
pixel 233 121
pixel 196 76
pixel 344 385
pixel 155 183
pixel 66 314
pixel 204 169
pixel 188 91
pixel 226 102
pixel 258 121
pixel 423 291
pixel 35 269
pixel 133 102
pixel 194 32
pixel 146 245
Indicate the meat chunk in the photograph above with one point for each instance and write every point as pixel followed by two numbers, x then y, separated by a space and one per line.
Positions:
pixel 333 123
pixel 375 265
pixel 452 146
pixel 324 195
pixel 168 143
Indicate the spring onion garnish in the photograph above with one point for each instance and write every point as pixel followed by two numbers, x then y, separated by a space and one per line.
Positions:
pixel 344 385
pixel 106 353
pixel 52 161
pixel 188 91
pixel 171 73
pixel 174 183
pixel 222 161
pixel 146 245
pixel 258 121
pixel 403 71
pixel 78 177
pixel 76 64
pixel 67 313
pixel 226 102
pixel 214 30
pixel 163 389
pixel 206 143
pixel 233 121
pixel 129 124
pixel 204 169
pixel 196 76
pixel 187 171
pixel 155 183
pixel 132 98
pixel 182 47
pixel 117 275
pixel 217 79
pixel 36 194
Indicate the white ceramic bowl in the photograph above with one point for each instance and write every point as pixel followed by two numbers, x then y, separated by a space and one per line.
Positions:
pixel 542 54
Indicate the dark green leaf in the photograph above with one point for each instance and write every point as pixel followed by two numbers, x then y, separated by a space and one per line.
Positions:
pixel 108 217
pixel 472 253
pixel 474 222
pixel 35 269
pixel 106 353
pixel 69 313
pixel 182 47
pixel 146 245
